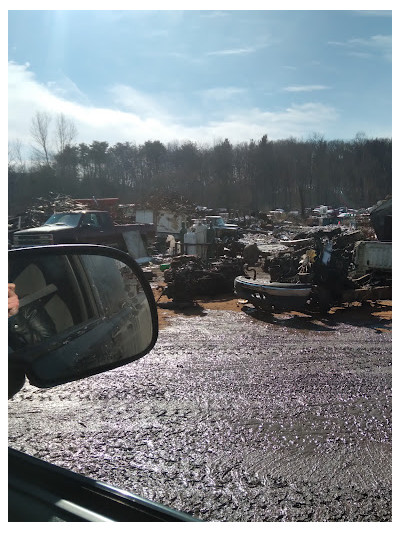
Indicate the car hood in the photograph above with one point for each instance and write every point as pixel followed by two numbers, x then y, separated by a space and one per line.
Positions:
pixel 51 228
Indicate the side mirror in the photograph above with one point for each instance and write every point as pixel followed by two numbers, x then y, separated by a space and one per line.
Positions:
pixel 83 309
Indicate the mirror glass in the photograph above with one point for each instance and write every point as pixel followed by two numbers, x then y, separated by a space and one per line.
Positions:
pixel 78 314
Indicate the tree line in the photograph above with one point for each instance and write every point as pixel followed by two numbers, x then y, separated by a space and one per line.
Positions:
pixel 258 175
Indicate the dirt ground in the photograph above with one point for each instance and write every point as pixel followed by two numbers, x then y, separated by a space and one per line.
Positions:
pixel 235 416
pixel 381 309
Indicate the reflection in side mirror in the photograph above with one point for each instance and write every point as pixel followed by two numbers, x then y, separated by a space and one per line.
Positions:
pixel 82 310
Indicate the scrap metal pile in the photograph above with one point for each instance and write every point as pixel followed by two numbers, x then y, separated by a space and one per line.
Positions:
pixel 325 257
pixel 321 256
pixel 287 265
pixel 189 277
pixel 41 209
pixel 170 202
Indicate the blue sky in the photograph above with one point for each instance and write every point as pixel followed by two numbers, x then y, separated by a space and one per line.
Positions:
pixel 202 75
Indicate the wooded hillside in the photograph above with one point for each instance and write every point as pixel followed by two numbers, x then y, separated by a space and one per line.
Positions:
pixel 255 175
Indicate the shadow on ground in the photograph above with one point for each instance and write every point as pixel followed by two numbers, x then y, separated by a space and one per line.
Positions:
pixel 374 315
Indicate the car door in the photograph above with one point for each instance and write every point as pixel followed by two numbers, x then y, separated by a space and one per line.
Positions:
pixel 90 230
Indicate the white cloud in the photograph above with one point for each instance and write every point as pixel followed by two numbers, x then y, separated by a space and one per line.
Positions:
pixel 232 51
pixel 140 104
pixel 138 117
pixel 66 88
pixel 221 93
pixel 295 121
pixel 305 88
pixel 25 97
pixel 376 44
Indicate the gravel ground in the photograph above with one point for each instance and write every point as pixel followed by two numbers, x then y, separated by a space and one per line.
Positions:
pixel 233 418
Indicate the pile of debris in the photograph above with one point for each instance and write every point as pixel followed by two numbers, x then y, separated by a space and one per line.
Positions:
pixel 283 266
pixel 325 256
pixel 42 208
pixel 170 202
pixel 189 277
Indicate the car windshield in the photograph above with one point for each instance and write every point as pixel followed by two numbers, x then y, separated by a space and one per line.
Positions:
pixel 64 219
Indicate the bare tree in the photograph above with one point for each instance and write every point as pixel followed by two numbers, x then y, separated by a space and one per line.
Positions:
pixel 40 134
pixel 66 132
pixel 15 159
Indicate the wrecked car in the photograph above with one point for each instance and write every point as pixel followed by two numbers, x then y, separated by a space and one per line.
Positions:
pixel 220 226
pixel 273 296
pixel 87 227
pixel 280 296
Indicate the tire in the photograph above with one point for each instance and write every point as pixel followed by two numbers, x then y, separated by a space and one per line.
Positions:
pixel 324 300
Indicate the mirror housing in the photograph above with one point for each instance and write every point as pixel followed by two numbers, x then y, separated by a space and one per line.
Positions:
pixel 83 309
